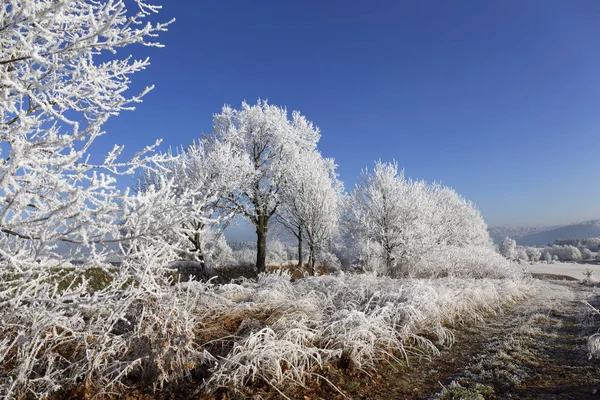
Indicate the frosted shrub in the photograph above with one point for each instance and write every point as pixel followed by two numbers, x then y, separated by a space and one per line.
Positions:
pixel 594 345
pixel 507 248
pixel 533 253
pixel 55 338
pixel 276 253
pixel 593 342
pixel 546 256
pixel 398 225
pixel 218 252
pixel 328 261
pixel 133 330
pixel 467 262
pixel 586 254
pixel 274 357
pixel 244 257
pixel 354 320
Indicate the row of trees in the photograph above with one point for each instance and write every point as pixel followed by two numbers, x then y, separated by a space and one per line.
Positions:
pixel 258 162
pixel 592 244
pixel 509 249
pixel 260 165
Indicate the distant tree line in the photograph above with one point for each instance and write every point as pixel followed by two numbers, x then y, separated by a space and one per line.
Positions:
pixel 592 244
pixel 561 250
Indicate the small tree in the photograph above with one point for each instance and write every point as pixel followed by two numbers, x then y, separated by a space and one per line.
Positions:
pixel 375 216
pixel 533 253
pixel 522 254
pixel 507 248
pixel 586 254
pixel 197 178
pixel 546 256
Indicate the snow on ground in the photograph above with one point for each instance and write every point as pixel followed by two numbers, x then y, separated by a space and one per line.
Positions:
pixel 569 269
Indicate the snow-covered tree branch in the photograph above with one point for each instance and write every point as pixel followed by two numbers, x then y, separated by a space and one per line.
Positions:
pixel 61 79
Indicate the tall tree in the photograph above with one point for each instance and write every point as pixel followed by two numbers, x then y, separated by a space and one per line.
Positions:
pixel 310 203
pixel 264 141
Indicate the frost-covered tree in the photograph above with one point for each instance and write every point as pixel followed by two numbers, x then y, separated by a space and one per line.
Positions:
pixel 569 253
pixel 198 178
pixel 217 250
pixel 310 202
pixel 522 254
pixel 586 254
pixel 64 71
pixel 264 140
pixel 533 253
pixel 61 79
pixel 593 244
pixel 400 225
pixel 508 248
pixel 546 256
pixel 375 216
pixel 276 252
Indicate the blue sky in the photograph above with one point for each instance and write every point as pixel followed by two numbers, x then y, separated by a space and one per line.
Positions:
pixel 498 99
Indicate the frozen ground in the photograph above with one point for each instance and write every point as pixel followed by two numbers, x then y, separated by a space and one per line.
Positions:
pixel 569 269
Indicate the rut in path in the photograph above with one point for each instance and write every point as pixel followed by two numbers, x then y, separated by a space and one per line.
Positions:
pixel 546 358
pixel 564 370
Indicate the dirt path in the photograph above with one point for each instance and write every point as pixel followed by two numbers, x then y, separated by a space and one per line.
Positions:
pixel 544 358
pixel 563 369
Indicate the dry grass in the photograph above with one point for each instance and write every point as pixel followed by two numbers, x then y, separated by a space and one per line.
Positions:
pixel 143 331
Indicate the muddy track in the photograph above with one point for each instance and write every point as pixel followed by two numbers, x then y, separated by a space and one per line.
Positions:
pixel 545 358
pixel 564 369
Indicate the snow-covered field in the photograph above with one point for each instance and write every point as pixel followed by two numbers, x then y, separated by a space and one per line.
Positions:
pixel 569 269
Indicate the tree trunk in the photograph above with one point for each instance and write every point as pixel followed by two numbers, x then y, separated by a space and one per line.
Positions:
pixel 198 250
pixel 261 244
pixel 300 260
pixel 311 259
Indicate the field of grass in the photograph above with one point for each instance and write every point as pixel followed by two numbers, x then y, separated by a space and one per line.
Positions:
pixel 90 333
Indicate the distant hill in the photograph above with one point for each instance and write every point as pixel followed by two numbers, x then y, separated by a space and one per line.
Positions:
pixel 500 232
pixel 543 235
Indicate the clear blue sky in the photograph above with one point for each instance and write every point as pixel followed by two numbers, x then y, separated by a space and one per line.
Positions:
pixel 498 99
